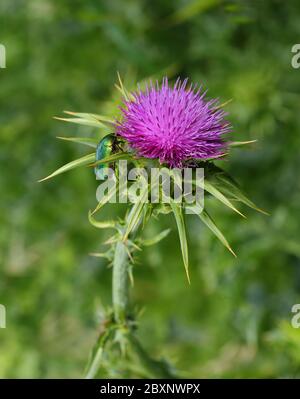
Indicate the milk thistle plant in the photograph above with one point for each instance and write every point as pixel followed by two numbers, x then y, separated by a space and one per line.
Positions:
pixel 170 128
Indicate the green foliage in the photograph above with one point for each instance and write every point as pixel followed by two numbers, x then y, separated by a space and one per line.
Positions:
pixel 180 222
pixel 90 142
pixel 71 165
pixel 204 216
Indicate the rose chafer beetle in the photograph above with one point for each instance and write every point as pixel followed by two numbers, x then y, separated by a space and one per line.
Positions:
pixel 106 147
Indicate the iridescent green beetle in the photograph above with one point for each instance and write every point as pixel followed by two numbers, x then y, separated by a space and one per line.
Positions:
pixel 107 146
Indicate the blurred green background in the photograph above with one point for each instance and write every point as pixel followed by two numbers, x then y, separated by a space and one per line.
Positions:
pixel 234 320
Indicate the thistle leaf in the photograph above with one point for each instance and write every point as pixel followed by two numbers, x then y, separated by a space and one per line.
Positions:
pixel 106 198
pixel 112 240
pixel 241 143
pixel 206 219
pixel 222 105
pixel 216 157
pixel 91 117
pixel 136 212
pixel 122 89
pixel 81 140
pixel 112 158
pixel 71 165
pixel 161 209
pixel 230 187
pixel 147 213
pixel 101 225
pixel 105 255
pixel 179 217
pixel 81 121
pixel 209 187
pixel 152 241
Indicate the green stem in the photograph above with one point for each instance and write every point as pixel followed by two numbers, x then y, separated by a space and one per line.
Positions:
pixel 156 368
pixel 97 357
pixel 120 300
pixel 95 365
pixel 120 292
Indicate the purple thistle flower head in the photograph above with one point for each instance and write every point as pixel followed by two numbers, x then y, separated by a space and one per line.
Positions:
pixel 174 124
